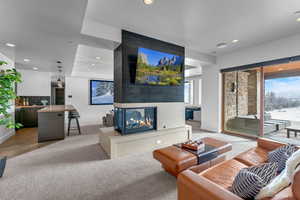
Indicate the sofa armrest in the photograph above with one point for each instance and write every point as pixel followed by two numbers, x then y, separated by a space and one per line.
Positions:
pixel 192 186
pixel 268 144
pixel 296 186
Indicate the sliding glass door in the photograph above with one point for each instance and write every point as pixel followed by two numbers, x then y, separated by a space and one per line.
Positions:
pixel 282 101
pixel 242 102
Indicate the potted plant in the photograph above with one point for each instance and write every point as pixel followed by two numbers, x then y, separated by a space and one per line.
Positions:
pixel 8 79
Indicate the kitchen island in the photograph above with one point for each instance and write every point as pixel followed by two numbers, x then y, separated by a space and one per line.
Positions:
pixel 51 122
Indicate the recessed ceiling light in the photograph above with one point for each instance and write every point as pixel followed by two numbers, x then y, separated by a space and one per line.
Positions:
pixel 93 64
pixel 35 68
pixel 98 58
pixel 298 19
pixel 235 41
pixel 221 45
pixel 26 60
pixel 148 2
pixel 10 45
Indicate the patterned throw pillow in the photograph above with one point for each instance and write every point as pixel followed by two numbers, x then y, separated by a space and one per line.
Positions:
pixel 281 155
pixel 249 181
pixel 265 171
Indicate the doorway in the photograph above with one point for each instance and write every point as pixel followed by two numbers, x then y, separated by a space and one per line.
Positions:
pixel 263 101
pixel 282 100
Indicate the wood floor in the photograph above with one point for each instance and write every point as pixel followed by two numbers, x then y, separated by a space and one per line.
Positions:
pixel 23 141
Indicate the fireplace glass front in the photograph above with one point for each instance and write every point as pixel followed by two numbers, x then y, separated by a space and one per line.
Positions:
pixel 134 120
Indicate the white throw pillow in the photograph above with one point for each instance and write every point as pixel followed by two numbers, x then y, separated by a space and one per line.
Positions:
pixel 283 180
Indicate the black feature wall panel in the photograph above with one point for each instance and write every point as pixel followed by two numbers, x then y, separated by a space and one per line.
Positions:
pixel 118 74
pixel 126 91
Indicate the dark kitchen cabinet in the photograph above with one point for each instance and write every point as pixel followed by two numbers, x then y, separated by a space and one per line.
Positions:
pixel 27 116
pixel 18 115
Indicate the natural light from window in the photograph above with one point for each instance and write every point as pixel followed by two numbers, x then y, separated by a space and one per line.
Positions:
pixel 282 98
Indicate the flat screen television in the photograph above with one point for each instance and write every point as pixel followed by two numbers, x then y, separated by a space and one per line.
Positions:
pixel 101 92
pixel 158 68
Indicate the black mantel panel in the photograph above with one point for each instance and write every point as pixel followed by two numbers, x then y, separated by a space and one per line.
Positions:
pixel 125 59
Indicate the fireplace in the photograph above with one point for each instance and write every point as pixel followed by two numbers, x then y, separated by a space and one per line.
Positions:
pixel 134 120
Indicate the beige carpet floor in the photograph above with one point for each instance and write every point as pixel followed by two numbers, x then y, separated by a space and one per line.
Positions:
pixel 78 169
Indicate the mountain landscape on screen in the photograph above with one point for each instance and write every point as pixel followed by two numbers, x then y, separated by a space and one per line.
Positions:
pixel 158 68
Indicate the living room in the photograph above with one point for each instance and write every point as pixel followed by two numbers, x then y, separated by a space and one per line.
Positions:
pixel 158 112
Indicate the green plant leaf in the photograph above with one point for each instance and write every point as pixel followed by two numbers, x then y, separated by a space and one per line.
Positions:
pixel 8 79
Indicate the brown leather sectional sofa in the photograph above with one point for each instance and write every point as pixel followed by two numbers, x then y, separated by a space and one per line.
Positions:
pixel 215 182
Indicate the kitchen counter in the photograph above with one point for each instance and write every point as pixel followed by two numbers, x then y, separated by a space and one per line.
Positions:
pixel 57 108
pixel 51 122
pixel 33 106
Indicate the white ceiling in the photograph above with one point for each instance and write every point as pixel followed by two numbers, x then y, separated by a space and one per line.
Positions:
pixel 49 30
pixel 86 64
pixel 43 30
pixel 201 24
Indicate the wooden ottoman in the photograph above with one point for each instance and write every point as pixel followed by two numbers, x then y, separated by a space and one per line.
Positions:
pixel 175 159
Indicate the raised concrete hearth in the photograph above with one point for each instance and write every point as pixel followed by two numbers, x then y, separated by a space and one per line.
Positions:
pixel 116 145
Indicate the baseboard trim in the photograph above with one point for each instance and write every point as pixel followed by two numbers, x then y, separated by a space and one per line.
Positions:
pixel 7 135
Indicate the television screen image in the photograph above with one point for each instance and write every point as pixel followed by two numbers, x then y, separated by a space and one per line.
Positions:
pixel 101 92
pixel 158 68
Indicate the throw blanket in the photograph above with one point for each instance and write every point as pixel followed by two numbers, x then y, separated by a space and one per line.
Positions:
pixel 285 178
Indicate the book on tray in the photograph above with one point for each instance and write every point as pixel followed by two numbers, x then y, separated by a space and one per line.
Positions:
pixel 196 145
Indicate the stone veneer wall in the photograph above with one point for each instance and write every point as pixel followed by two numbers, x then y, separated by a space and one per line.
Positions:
pixel 229 97
pixel 242 93
pixel 253 92
pixel 245 99
pixel 235 105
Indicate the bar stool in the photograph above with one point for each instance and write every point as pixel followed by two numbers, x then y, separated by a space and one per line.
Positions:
pixel 73 115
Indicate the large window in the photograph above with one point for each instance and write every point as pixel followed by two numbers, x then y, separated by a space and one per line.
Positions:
pixel 263 101
pixel 282 102
pixel 242 102
pixel 188 92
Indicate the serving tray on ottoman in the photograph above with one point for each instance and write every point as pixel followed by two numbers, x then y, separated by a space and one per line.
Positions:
pixel 175 159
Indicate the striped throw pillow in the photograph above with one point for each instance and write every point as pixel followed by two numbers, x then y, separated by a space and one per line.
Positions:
pixel 249 181
pixel 265 171
pixel 281 155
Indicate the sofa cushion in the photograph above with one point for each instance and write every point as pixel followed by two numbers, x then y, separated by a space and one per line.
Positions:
pixel 285 194
pixel 268 144
pixel 254 156
pixel 266 171
pixel 281 155
pixel 247 184
pixel 224 173
pixel 284 179
pixel 249 181
pixel 296 184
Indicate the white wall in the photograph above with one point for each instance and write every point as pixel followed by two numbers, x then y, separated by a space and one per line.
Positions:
pixel 34 83
pixel 211 86
pixel 211 99
pixel 197 89
pixel 4 132
pixel 79 89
